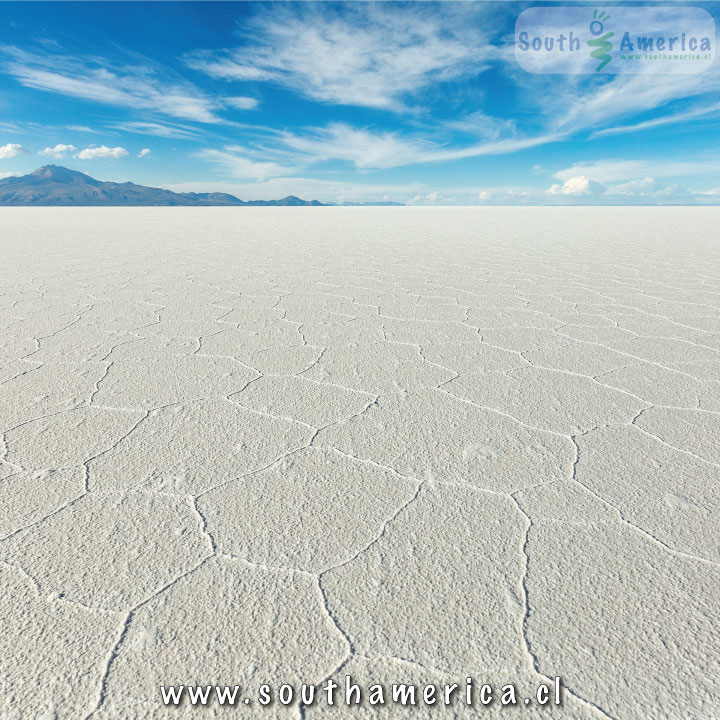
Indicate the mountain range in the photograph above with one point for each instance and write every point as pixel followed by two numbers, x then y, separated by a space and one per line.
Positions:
pixel 58 186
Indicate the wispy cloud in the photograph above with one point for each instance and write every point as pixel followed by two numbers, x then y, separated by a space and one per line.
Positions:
pixel 369 55
pixel 431 198
pixel 82 129
pixel 241 103
pixel 93 153
pixel 238 163
pixel 641 186
pixel 624 170
pixel 179 132
pixel 576 191
pixel 365 89
pixel 11 150
pixel 673 119
pixel 480 124
pixel 367 149
pixel 363 148
pixel 98 80
pixel 225 65
pixel 592 106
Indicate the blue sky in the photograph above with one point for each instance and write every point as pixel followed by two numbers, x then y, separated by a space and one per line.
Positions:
pixel 419 102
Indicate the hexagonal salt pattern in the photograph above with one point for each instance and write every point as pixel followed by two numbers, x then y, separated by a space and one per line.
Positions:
pixel 400 445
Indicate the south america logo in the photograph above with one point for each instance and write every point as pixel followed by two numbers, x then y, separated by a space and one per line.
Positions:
pixel 601 43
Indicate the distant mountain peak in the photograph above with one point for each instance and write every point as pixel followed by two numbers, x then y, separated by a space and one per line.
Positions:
pixel 58 173
pixel 56 185
pixel 47 170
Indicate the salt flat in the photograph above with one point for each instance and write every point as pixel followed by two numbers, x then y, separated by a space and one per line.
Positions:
pixel 246 446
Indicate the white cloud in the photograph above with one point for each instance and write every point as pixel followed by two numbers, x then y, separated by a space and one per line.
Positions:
pixel 237 162
pixel 8 174
pixel 496 147
pixel 661 121
pixel 11 150
pixel 604 170
pixel 100 81
pixel 179 132
pixel 93 153
pixel 432 198
pixel 482 125
pixel 644 191
pixel 58 152
pixel 363 148
pixel 580 185
pixel 417 193
pixel 82 129
pixel 224 67
pixel 583 192
pixel 369 55
pixel 569 104
pixel 588 105
pixel 144 152
pixel 367 149
pixel 634 187
pixel 620 170
pixel 241 103
pixel 624 95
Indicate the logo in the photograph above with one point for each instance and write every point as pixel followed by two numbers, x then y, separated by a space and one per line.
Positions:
pixel 602 46
pixel 640 39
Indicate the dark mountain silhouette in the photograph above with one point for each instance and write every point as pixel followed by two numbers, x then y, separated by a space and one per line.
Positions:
pixel 56 186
